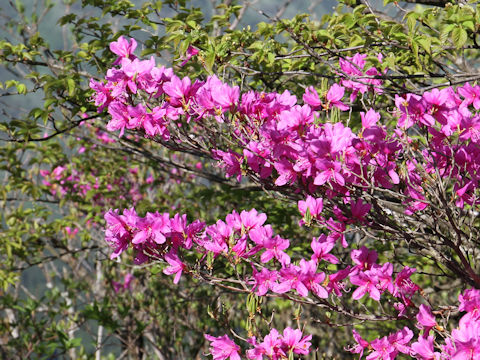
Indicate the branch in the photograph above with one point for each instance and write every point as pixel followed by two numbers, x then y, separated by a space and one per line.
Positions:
pixel 74 124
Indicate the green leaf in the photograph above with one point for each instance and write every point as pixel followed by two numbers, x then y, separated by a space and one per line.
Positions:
pixel 459 37
pixel 426 44
pixel 209 60
pixel 411 21
pixel 469 25
pixel 22 88
pixel 71 86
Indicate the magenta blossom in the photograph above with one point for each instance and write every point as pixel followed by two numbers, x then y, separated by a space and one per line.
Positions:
pixel 191 51
pixel 313 205
pixel 294 342
pixel 425 319
pixel 123 48
pixel 334 95
pixel 423 349
pixel 176 266
pixel 223 348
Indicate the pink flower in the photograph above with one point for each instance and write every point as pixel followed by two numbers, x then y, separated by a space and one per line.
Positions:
pixel 270 347
pixel 311 97
pixel 291 278
pixel 293 341
pixel 400 340
pixel 467 339
pixel 328 170
pixel 313 279
pixel 277 347
pixel 231 161
pixel 425 318
pixel 360 209
pixel 176 266
pixel 367 283
pixel 126 285
pixel 116 234
pixel 423 349
pixel 335 281
pixel 177 90
pixel 223 348
pixel 404 287
pixel 219 234
pixel 251 219
pixel 334 95
pixel 361 344
pixel 285 171
pixel 123 48
pixel 71 232
pixel 321 249
pixel 311 204
pixel 191 51
pixel 382 350
pixel 274 249
pixel 263 281
pixel 470 94
pixel 470 301
pixel 364 258
pixel 369 119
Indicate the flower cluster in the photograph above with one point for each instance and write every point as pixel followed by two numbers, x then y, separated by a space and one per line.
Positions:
pixel 280 140
pixel 464 342
pixel 66 179
pixel 242 236
pixel 274 346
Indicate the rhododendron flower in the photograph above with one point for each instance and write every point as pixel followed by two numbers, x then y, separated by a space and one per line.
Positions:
pixel 470 94
pixel 470 301
pixel 335 284
pixel 400 340
pixel 311 97
pixel 230 161
pixel 285 171
pixel 364 258
pixel 274 249
pixel 222 348
pixel 369 119
pixel 314 206
pixel 123 48
pixel 404 287
pixel 426 319
pixel 367 283
pixel 71 232
pixel 116 234
pixel 251 219
pixel 467 339
pixel 125 285
pixel 191 51
pixel 179 90
pixel 176 266
pixel 328 170
pixel 290 278
pixel 293 341
pixel 382 350
pixel 264 280
pixel 360 209
pixel 277 347
pixel 270 347
pixel 321 249
pixel 387 348
pixel 361 344
pixel 312 279
pixel 423 349
pixel 334 95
